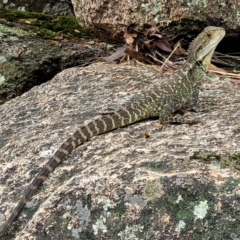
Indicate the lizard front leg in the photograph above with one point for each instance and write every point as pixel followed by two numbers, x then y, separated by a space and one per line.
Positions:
pixel 166 115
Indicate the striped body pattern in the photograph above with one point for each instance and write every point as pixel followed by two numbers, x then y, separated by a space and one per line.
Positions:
pixel 181 89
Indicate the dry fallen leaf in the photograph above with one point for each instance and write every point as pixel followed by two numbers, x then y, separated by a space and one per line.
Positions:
pixel 116 55
pixel 129 37
pixel 163 44
pixel 136 55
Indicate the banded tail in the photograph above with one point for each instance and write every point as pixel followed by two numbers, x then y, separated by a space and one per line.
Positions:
pixel 107 123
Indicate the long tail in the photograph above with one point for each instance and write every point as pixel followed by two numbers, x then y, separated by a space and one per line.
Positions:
pixel 107 123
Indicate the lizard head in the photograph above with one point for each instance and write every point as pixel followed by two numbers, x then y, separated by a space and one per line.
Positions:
pixel 203 46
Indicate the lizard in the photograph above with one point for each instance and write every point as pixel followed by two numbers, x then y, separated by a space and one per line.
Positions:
pixel 181 90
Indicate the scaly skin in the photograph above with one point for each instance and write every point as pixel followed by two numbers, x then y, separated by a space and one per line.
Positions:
pixel 180 90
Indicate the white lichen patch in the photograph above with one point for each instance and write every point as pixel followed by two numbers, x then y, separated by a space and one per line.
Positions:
pixel 135 200
pixel 200 210
pixel 83 213
pixel 179 199
pixel 17 31
pixel 199 3
pixel 181 225
pixel 2 79
pixel 100 225
pixel 2 59
pixel 2 218
pixel 46 153
pixel 32 203
pixel 154 9
pixel 130 233
pixel 75 232
pixel 105 203
pixel 81 216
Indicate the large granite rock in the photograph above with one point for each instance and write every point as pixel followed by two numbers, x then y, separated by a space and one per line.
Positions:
pixel 180 183
pixel 108 19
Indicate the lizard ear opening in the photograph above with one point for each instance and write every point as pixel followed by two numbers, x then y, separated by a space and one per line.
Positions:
pixel 209 35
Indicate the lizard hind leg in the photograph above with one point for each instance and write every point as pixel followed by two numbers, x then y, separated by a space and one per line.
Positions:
pixel 165 114
pixel 184 117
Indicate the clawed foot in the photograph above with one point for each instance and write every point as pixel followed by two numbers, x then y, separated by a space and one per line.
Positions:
pixel 182 117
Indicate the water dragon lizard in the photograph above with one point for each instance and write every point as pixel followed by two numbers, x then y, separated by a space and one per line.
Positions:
pixel 180 90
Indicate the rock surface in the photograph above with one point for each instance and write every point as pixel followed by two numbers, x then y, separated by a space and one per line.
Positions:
pixel 180 183
pixel 55 7
pixel 108 19
pixel 27 60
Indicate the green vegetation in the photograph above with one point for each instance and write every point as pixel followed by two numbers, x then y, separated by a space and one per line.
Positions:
pixel 232 161
pixel 43 24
